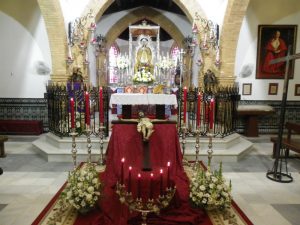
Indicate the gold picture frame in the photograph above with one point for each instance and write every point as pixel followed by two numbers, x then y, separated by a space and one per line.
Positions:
pixel 273 88
pixel 247 89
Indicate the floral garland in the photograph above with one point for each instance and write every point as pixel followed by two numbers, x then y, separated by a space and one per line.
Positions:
pixel 83 187
pixel 209 190
pixel 143 76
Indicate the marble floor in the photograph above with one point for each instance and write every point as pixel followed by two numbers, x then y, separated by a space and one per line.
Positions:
pixel 29 182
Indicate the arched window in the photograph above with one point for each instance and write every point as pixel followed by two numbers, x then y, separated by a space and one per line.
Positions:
pixel 112 57
pixel 174 51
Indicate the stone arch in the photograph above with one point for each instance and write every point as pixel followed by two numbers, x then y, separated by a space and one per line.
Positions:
pixel 233 19
pixel 54 22
pixel 147 13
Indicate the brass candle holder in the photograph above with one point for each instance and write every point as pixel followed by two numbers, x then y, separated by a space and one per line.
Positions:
pixel 150 206
pixel 210 151
pixel 89 145
pixel 197 146
pixel 183 139
pixel 101 136
pixel 74 150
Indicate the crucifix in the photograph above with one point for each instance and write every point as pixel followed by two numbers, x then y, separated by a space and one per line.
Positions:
pixel 276 173
pixel 145 127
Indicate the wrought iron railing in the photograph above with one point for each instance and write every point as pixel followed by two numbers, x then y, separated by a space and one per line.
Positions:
pixel 225 110
pixel 59 117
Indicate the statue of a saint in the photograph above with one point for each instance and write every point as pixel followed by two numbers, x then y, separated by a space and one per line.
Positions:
pixel 144 57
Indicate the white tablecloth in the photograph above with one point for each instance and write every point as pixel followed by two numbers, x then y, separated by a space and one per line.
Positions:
pixel 142 99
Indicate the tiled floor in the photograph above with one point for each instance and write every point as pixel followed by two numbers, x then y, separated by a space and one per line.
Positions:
pixel 29 182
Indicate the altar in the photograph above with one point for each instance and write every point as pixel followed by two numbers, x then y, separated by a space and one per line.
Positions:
pixel 129 99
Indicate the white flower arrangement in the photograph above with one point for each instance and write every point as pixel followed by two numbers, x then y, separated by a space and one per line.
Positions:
pixel 83 187
pixel 143 76
pixel 122 62
pixel 209 190
pixel 165 63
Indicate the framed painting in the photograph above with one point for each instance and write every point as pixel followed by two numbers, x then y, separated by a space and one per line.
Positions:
pixel 273 88
pixel 247 89
pixel 297 89
pixel 273 42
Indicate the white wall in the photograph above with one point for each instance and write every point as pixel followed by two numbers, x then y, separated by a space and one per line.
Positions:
pixel 259 12
pixel 21 51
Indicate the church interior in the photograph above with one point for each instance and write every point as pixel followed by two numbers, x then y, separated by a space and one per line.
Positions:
pixel 149 112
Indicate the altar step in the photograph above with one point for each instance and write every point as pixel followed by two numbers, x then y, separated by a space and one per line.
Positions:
pixel 56 149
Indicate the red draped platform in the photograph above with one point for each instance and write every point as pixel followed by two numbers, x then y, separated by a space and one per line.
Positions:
pixel 164 146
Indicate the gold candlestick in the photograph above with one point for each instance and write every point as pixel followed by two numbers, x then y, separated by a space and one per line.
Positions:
pixel 74 150
pixel 101 136
pixel 89 145
pixel 197 146
pixel 151 205
pixel 210 151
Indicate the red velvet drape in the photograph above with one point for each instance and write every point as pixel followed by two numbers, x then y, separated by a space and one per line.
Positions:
pixel 164 146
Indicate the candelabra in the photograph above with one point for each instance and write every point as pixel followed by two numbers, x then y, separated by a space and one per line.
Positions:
pixel 183 142
pixel 197 146
pixel 101 136
pixel 89 145
pixel 210 151
pixel 151 205
pixel 74 150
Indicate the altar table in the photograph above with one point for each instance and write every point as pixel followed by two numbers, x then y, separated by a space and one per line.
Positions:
pixel 251 113
pixel 129 99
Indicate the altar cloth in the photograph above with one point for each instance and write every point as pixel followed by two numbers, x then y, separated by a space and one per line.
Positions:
pixel 142 99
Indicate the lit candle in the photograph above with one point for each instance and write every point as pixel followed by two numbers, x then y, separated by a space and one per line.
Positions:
pixel 211 115
pixel 101 115
pixel 87 109
pixel 139 186
pixel 161 182
pixel 72 113
pixel 168 174
pixel 184 104
pixel 129 179
pixel 122 170
pixel 151 186
pixel 199 110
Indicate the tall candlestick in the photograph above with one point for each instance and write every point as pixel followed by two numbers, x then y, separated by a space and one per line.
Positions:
pixel 151 186
pixel 161 182
pixel 101 115
pixel 211 115
pixel 139 186
pixel 72 113
pixel 199 110
pixel 168 175
pixel 129 179
pixel 87 109
pixel 122 170
pixel 184 104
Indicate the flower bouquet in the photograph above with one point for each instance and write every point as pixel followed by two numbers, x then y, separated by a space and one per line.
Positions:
pixel 143 76
pixel 83 188
pixel 209 190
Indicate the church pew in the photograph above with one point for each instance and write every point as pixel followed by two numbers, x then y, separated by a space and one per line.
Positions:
pixel 290 143
pixel 21 127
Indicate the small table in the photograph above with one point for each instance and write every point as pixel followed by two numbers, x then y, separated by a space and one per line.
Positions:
pixel 129 99
pixel 2 149
pixel 251 113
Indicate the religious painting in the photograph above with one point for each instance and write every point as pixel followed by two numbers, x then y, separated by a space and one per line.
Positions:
pixel 272 43
pixel 247 89
pixel 297 89
pixel 273 88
